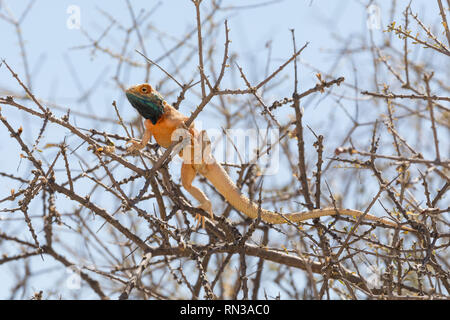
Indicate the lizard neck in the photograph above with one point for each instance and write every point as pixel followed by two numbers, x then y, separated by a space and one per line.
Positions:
pixel 150 107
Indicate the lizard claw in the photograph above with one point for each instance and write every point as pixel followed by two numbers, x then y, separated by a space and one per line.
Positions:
pixel 135 146
pixel 199 218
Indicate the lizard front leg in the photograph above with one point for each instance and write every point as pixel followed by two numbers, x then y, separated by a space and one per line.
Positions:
pixel 188 174
pixel 140 145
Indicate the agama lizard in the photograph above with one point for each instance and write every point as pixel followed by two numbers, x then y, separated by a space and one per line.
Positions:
pixel 163 122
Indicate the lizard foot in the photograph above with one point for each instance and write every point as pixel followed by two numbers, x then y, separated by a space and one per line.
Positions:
pixel 201 219
pixel 135 146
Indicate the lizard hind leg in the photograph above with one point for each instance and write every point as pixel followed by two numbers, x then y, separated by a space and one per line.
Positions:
pixel 188 174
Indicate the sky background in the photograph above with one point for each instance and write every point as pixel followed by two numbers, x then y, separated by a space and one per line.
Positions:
pixel 62 70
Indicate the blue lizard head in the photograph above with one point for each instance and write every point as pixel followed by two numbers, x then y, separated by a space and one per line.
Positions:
pixel 147 101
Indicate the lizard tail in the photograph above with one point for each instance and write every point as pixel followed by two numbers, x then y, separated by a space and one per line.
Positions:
pixel 226 187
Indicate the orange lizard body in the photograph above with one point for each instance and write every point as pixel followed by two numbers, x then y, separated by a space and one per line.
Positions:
pixel 163 121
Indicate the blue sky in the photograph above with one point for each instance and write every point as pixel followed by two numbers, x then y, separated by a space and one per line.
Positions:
pixel 50 45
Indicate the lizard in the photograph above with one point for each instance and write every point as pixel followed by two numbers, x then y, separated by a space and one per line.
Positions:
pixel 163 122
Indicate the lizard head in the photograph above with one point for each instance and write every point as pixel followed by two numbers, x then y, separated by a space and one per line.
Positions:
pixel 147 101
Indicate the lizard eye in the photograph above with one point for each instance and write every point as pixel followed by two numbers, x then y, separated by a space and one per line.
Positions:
pixel 146 89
